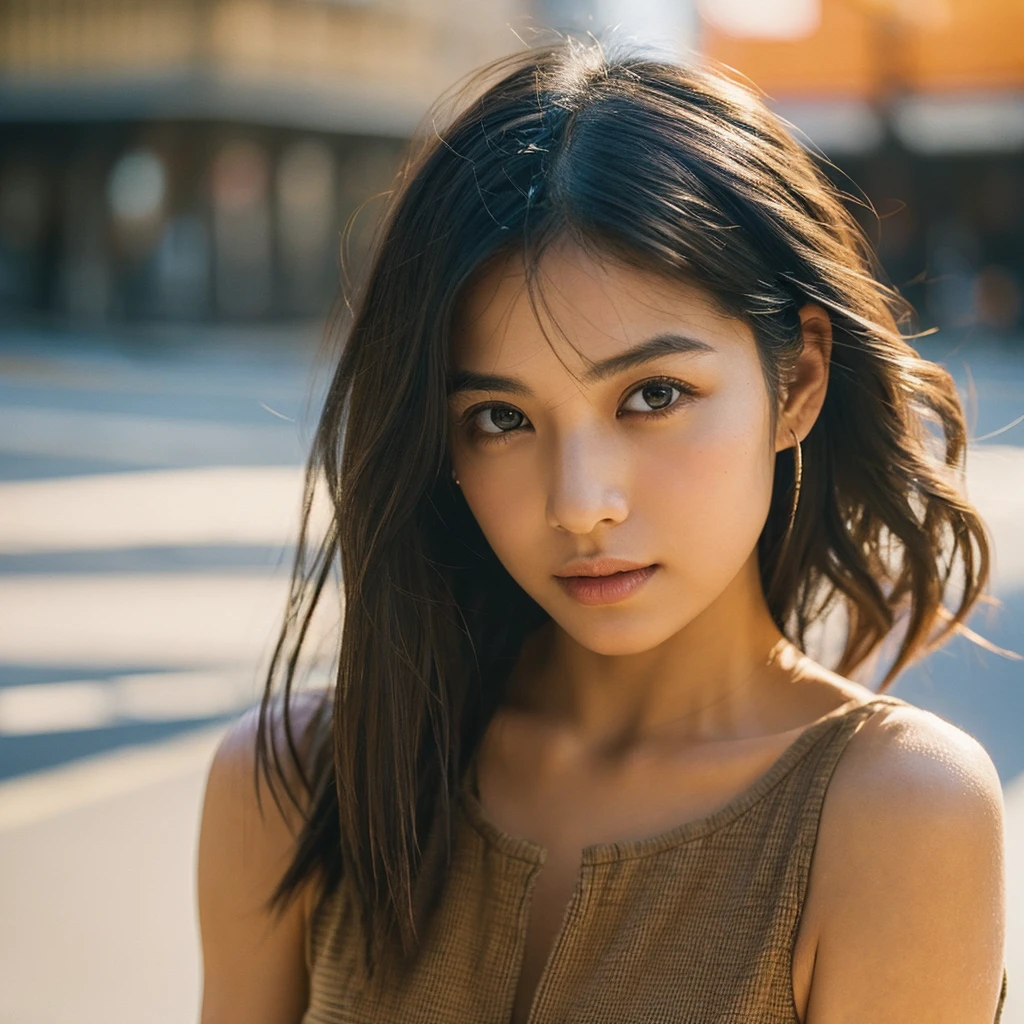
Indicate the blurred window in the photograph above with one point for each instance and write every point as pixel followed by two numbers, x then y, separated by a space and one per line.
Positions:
pixel 961 124
pixel 307 224
pixel 23 213
pixel 22 205
pixel 137 195
pixel 183 266
pixel 305 183
pixel 755 19
pixel 137 186
pixel 242 230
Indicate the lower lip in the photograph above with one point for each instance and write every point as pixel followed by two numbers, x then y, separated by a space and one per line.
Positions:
pixel 606 589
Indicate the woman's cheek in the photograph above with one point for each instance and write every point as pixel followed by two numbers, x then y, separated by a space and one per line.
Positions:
pixel 712 506
pixel 506 511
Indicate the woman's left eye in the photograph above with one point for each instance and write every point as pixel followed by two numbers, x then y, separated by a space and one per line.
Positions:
pixel 653 397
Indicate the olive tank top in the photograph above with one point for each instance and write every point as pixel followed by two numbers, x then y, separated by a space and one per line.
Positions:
pixel 695 925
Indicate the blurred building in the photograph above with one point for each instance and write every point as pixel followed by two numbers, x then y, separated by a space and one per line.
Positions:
pixel 920 104
pixel 202 158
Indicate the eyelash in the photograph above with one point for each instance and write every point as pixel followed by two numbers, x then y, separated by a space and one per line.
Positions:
pixel 686 391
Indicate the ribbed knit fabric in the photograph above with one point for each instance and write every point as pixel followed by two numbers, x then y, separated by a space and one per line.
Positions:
pixel 695 925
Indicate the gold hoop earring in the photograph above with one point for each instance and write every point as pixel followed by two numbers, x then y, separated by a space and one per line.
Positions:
pixel 798 472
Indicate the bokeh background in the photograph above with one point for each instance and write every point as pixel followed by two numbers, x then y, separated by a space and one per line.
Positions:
pixel 178 180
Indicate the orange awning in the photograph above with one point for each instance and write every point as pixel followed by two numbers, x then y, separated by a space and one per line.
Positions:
pixel 865 48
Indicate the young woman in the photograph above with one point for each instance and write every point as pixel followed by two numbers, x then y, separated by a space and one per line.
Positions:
pixel 621 411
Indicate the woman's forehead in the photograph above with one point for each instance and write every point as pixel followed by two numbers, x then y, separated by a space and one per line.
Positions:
pixel 588 305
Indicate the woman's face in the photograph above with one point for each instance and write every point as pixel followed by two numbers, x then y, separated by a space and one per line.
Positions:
pixel 641 434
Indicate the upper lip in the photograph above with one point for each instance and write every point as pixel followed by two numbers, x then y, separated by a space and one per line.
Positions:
pixel 600 567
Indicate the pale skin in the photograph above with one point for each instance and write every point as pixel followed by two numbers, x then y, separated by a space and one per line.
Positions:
pixel 624 720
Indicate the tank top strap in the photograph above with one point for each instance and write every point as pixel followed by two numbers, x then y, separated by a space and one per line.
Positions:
pixel 818 768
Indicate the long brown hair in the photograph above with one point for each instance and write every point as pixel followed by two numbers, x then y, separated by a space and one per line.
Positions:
pixel 674 168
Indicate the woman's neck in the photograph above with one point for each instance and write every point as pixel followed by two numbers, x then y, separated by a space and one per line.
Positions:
pixel 709 680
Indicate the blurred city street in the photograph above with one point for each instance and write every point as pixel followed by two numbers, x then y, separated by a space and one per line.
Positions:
pixel 149 498
pixel 149 501
pixel 183 188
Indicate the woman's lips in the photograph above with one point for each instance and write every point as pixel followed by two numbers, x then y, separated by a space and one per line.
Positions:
pixel 607 589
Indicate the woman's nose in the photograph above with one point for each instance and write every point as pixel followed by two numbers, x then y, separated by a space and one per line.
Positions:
pixel 586 484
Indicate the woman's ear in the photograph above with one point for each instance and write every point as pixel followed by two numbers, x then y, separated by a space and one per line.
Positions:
pixel 802 399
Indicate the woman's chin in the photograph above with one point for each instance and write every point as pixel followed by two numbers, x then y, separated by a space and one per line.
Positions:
pixel 620 640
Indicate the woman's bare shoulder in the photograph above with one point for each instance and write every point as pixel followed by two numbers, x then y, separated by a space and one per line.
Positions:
pixel 906 760
pixel 907 881
pixel 900 752
pixel 253 959
pixel 236 751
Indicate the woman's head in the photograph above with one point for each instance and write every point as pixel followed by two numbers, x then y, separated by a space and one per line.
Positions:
pixel 575 206
pixel 684 192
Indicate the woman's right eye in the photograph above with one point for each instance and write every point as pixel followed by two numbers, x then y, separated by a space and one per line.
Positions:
pixel 497 419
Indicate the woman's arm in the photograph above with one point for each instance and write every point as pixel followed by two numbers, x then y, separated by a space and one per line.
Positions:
pixel 254 969
pixel 910 879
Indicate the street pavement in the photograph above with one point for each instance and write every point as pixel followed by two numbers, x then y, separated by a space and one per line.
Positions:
pixel 150 484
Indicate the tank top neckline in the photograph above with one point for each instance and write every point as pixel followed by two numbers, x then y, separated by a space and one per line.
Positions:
pixel 520 848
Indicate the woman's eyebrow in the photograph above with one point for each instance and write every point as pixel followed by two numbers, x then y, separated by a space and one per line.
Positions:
pixel 466 380
pixel 660 345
